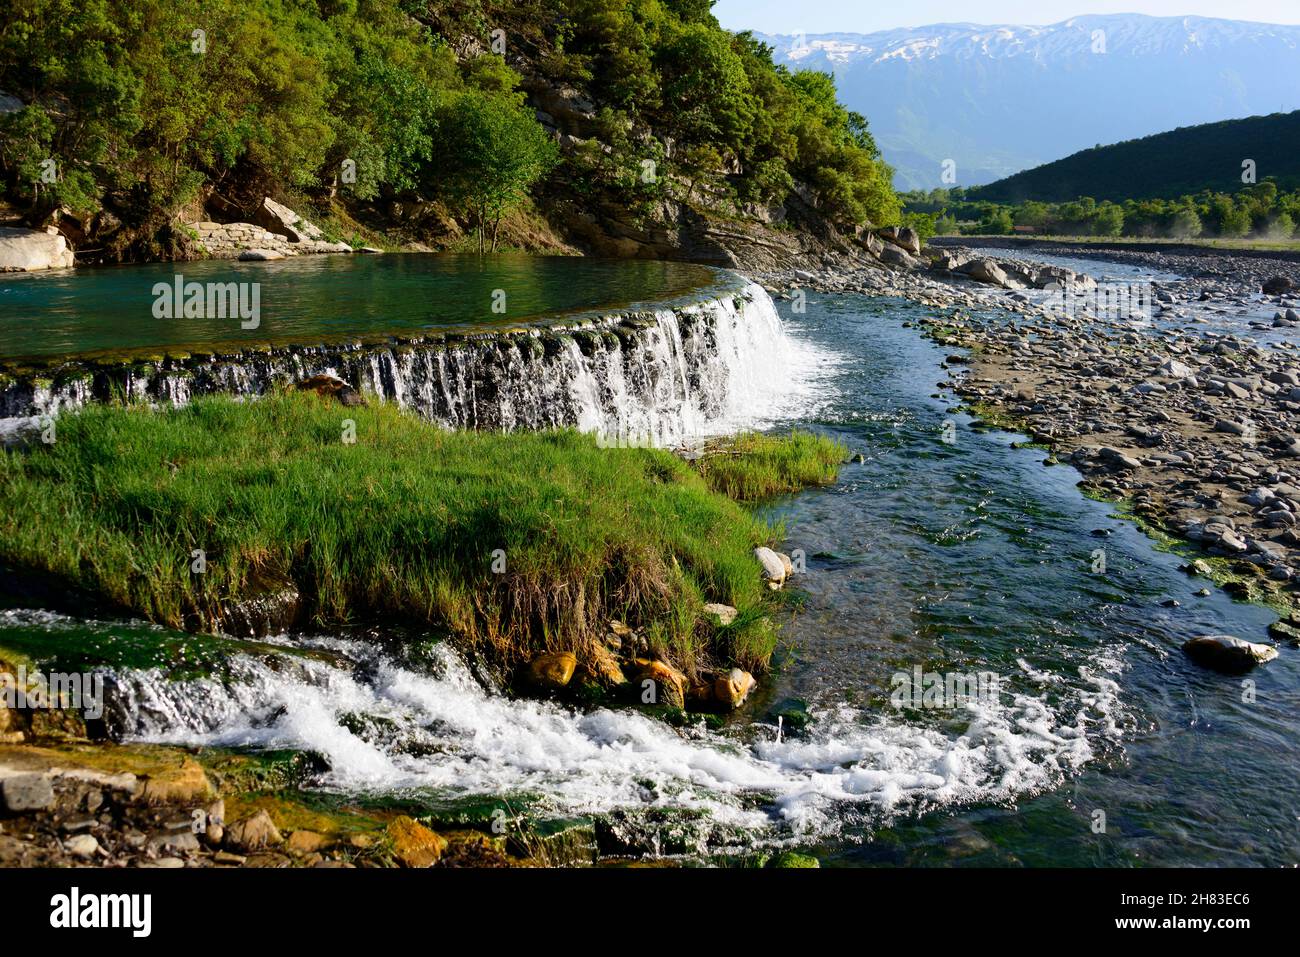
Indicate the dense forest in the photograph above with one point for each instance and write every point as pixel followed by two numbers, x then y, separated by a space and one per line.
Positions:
pixel 1212 157
pixel 412 118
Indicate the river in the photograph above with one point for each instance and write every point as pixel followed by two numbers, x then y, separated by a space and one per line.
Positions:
pixel 947 550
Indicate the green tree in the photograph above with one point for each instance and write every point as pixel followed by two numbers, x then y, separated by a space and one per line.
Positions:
pixel 493 151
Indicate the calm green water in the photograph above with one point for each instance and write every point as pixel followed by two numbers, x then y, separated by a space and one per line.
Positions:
pixel 313 298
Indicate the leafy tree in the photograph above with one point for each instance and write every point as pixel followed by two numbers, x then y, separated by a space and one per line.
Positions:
pixel 493 152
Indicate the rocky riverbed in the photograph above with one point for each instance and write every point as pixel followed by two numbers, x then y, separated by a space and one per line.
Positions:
pixel 1174 389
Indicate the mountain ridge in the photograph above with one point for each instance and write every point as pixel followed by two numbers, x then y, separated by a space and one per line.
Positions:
pixel 978 94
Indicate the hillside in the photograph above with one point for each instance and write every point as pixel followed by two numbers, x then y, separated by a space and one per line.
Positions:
pixel 607 126
pixel 999 99
pixel 1180 162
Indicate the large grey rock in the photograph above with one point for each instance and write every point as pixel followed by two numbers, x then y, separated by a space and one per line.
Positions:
pixel 31 250
pixel 986 271
pixel 280 219
pixel 894 256
pixel 1227 653
pixel 23 793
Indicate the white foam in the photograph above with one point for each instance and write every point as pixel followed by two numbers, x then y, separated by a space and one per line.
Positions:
pixel 879 764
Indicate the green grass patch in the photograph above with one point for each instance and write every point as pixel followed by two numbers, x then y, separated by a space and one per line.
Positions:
pixel 754 466
pixel 513 543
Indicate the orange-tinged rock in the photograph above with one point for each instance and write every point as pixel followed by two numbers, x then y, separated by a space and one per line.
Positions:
pixel 185 784
pixel 731 690
pixel 668 685
pixel 553 669
pixel 414 845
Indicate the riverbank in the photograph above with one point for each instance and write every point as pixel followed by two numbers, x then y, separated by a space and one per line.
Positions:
pixel 1194 430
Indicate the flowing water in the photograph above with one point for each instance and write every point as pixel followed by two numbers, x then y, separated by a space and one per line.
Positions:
pixel 946 550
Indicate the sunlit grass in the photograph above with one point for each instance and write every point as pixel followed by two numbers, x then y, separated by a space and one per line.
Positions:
pixel 512 543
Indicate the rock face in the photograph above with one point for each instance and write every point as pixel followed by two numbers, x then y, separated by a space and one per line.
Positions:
pixel 1228 654
pixel 33 250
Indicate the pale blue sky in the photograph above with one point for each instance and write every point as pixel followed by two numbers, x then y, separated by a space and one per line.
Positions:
pixel 864 16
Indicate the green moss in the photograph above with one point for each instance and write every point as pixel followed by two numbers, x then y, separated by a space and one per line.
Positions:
pixel 790 859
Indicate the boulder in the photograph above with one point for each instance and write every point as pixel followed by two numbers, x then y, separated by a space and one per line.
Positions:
pixel 32 250
pixel 280 219
pixel 253 833
pixel 185 784
pixel 413 844
pixel 552 670
pixel 731 690
pixel 670 684
pixel 1228 654
pixel 985 271
pixel 909 239
pixel 894 256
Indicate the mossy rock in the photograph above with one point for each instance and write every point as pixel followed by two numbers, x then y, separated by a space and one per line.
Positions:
pixel 790 860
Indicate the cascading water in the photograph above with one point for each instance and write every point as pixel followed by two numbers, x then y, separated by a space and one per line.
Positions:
pixel 434 731
pixel 652 378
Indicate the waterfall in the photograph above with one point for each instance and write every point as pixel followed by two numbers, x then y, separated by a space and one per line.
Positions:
pixel 653 377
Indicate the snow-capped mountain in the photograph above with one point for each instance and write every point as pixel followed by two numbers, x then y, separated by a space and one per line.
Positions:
pixel 999 99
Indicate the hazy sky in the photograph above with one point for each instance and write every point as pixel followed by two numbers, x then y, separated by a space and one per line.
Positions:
pixel 864 16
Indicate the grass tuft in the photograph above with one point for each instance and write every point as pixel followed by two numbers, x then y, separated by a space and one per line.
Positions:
pixel 409 523
pixel 755 466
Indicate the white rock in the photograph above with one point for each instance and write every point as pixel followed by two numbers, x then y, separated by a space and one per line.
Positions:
pixel 28 250
pixel 260 255
pixel 724 613
pixel 82 845
pixel 773 567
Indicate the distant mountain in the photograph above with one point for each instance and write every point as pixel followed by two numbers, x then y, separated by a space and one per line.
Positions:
pixel 1000 99
pixel 1166 165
